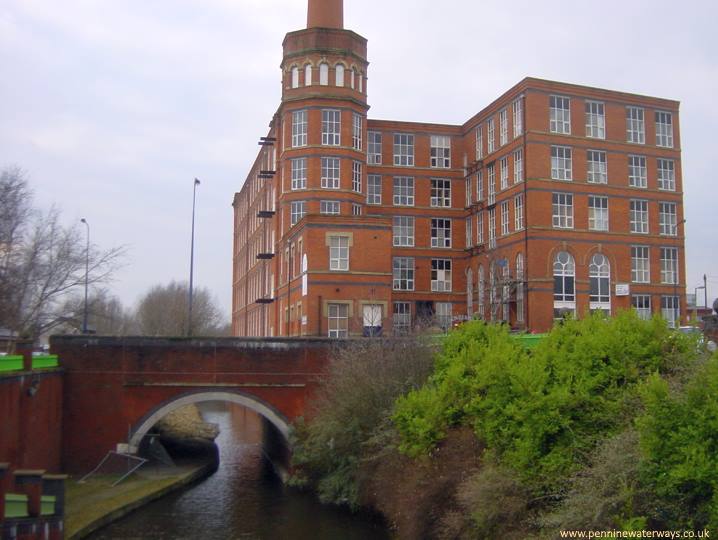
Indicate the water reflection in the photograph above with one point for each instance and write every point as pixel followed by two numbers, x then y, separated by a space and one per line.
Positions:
pixel 242 499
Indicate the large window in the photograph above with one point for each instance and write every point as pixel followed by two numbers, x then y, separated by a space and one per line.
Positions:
pixel 480 185
pixel 403 231
pixel 441 192
pixel 492 183
pixel 374 148
pixel 403 191
pixel 561 163
pixel 639 216
pixel 443 314
pixel 373 191
pixel 504 168
pixel 637 175
pixel 331 127
pixel 441 275
pixel 667 219
pixel 308 75
pixel 670 309
pixel 482 291
pixel 323 74
pixel 595 120
pixel 440 151
pixel 597 213
pixel 503 127
pixel 356 176
pixel 669 265
pixel 505 229
pixel 642 304
pixel 299 128
pixel 635 125
pixel 469 231
pixel 490 136
pixel 402 317
pixel 664 129
pixel 560 114
pixel 640 264
pixel 338 320
pixel 330 173
pixel 479 142
pixel 338 253
pixel 518 166
pixel 295 77
pixel 356 131
pixel 517 107
pixel 440 232
pixel 666 175
pixel 403 270
pixel 329 208
pixel 597 170
pixel 298 210
pixel 403 150
pixel 520 287
pixel 492 228
pixel 299 173
pixel 564 284
pixel 562 210
pixel 480 228
pixel 519 212
pixel 599 274
pixel 339 74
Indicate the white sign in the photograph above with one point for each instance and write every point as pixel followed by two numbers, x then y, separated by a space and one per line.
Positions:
pixel 304 320
pixel 623 289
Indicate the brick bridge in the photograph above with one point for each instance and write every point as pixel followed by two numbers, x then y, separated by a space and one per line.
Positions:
pixel 117 388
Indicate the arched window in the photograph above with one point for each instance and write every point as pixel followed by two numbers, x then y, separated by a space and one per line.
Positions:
pixel 564 284
pixel 339 71
pixel 308 75
pixel 520 288
pixel 599 273
pixel 505 289
pixel 352 74
pixel 482 291
pixel 361 83
pixel 469 292
pixel 323 74
pixel 492 291
pixel 295 77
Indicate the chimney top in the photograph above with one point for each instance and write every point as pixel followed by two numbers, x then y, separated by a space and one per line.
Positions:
pixel 325 14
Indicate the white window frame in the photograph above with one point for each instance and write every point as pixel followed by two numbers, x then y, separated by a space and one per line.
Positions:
pixel 492 228
pixel 329 208
pixel 331 127
pixel 403 190
pixel 403 149
pixel 441 192
pixel 492 183
pixel 401 320
pixel 357 122
pixel 519 166
pixel 479 142
pixel 330 172
pixel 562 210
pixel 480 185
pixel 373 189
pixel 504 172
pixel 299 173
pixel 324 74
pixel 374 148
pixel 297 211
pixel 560 114
pixel 640 264
pixel 670 309
pixel 642 304
pixel 635 125
pixel 338 320
pixel 561 163
pixel 668 218
pixel 356 176
pixel 403 228
pixel 637 171
pixel 595 119
pixel 403 269
pixel 339 253
pixel 664 129
pixel 598 217
pixel 440 232
pixel 596 167
pixel 441 275
pixel 519 212
pixel 638 216
pixel 480 228
pixel 666 174
pixel 299 128
pixel 599 277
pixel 339 75
pixel 505 227
pixel 490 136
pixel 517 113
pixel 440 151
pixel 503 127
pixel 356 209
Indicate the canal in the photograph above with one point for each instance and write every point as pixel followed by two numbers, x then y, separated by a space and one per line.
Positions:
pixel 242 500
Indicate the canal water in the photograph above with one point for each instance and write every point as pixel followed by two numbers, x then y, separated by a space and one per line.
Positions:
pixel 242 500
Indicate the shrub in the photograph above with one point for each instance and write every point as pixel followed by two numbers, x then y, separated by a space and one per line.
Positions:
pixel 354 401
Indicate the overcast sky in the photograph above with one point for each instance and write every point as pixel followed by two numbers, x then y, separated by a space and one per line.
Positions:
pixel 112 107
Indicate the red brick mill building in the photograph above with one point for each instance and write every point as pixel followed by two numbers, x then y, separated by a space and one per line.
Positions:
pixel 554 198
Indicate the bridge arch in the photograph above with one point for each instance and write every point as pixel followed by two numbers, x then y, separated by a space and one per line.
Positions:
pixel 144 424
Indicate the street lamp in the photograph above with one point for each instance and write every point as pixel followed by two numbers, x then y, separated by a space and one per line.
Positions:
pixel 677 316
pixel 87 272
pixel 191 259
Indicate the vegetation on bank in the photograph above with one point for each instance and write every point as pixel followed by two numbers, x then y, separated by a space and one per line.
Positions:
pixel 607 423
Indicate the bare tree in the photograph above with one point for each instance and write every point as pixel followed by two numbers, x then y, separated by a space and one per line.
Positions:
pixel 163 312
pixel 41 261
pixel 105 315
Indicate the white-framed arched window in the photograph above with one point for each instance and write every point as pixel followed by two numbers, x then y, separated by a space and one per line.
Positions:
pixel 564 284
pixel 481 291
pixel 599 274
pixel 520 287
pixel 295 77
pixel 352 75
pixel 324 74
pixel 361 83
pixel 339 74
pixel 308 75
pixel 469 292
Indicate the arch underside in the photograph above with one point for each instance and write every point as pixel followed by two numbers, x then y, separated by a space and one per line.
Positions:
pixel 150 419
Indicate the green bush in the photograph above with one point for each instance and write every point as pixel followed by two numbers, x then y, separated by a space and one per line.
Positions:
pixel 540 413
pixel 679 438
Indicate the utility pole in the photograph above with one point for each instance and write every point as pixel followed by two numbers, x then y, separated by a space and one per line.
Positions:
pixel 191 260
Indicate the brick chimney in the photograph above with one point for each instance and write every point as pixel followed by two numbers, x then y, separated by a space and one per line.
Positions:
pixel 325 14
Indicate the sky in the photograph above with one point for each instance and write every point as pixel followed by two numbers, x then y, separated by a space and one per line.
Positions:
pixel 113 107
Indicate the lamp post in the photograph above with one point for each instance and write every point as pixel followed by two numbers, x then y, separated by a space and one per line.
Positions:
pixel 87 272
pixel 677 309
pixel 191 260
